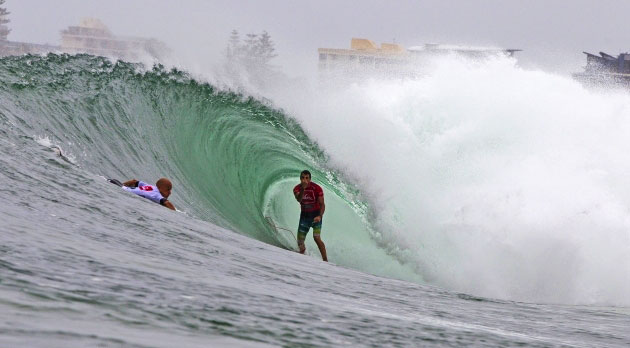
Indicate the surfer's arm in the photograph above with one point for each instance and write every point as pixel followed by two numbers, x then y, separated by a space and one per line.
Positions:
pixel 131 183
pixel 322 208
pixel 298 195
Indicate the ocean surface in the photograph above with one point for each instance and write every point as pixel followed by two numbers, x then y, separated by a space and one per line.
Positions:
pixel 481 205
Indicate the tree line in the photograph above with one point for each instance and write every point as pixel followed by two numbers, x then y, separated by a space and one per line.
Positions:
pixel 251 55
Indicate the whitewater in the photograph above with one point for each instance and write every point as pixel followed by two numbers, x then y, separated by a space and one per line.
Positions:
pixel 476 204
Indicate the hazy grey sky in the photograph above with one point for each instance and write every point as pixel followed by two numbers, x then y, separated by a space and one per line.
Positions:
pixel 553 33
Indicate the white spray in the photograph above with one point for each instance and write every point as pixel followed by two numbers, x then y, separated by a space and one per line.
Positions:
pixel 492 180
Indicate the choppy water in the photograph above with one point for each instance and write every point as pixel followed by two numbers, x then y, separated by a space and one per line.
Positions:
pixel 84 264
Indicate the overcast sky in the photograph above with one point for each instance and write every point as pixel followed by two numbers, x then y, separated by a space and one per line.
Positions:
pixel 552 33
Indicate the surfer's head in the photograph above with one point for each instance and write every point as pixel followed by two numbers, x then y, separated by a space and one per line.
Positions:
pixel 165 187
pixel 305 176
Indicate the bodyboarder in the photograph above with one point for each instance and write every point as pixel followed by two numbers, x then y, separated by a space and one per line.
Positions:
pixel 157 193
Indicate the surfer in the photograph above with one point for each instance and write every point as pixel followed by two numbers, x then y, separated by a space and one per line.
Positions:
pixel 311 199
pixel 158 193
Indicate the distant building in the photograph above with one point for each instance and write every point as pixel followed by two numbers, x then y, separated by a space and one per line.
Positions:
pixel 364 55
pixel 605 70
pixel 467 51
pixel 91 36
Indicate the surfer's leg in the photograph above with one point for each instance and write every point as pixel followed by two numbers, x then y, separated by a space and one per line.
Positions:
pixel 317 230
pixel 303 228
pixel 300 241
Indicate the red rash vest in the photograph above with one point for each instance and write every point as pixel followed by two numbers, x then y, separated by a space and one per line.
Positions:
pixel 309 201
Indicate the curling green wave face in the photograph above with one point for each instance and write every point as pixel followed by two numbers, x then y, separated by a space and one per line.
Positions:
pixel 233 160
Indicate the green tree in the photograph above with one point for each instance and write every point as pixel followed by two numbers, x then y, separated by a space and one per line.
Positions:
pixel 265 49
pixel 251 56
pixel 234 45
pixel 4 30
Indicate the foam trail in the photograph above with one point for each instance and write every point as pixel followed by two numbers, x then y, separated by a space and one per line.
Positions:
pixel 489 179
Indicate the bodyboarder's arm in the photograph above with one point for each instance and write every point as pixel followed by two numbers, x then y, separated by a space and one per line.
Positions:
pixel 168 204
pixel 131 183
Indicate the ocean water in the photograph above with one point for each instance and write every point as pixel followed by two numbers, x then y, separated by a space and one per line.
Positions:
pixel 514 231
